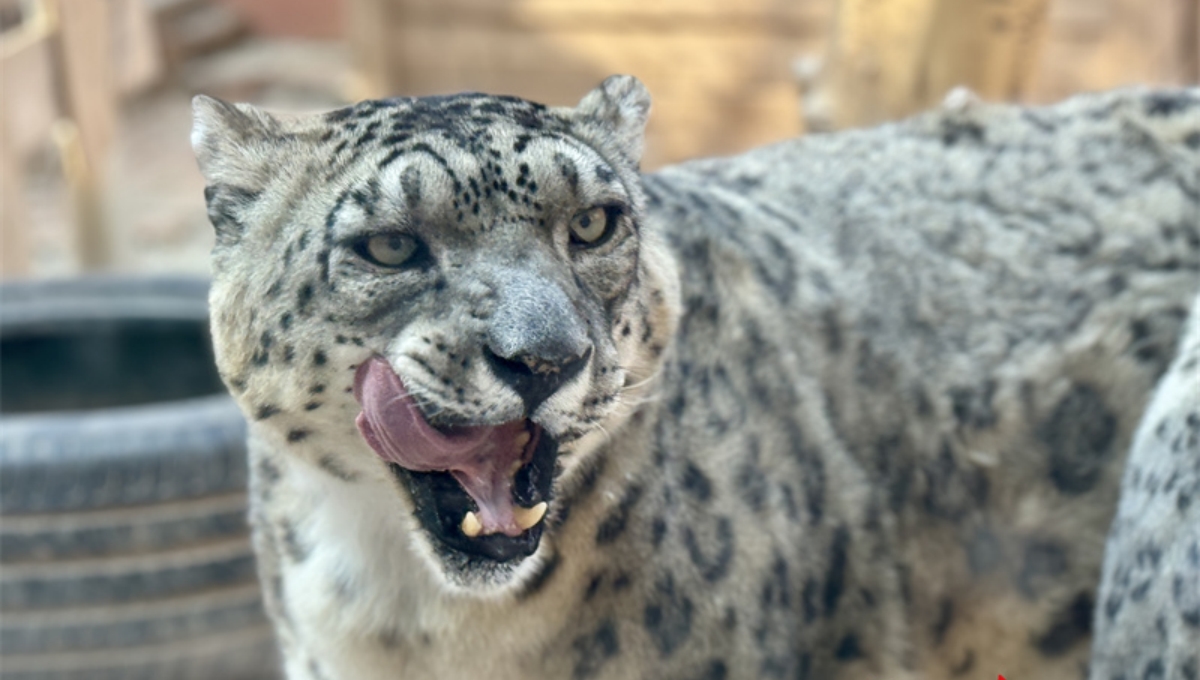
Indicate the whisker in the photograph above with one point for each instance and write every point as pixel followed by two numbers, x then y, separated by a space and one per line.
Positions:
pixel 644 381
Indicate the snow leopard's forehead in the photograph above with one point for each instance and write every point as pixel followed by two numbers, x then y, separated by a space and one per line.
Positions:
pixel 471 161
pixel 455 132
pixel 470 120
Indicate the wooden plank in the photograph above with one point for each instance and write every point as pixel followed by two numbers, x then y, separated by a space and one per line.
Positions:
pixel 891 59
pixel 27 67
pixel 89 89
pixel 85 49
pixel 93 242
pixel 990 46
pixel 137 52
pixel 871 69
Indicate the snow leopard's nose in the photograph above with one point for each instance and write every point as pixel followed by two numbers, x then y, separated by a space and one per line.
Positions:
pixel 536 340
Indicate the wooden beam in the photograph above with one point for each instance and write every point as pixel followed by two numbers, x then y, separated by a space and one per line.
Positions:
pixel 15 256
pixel 27 66
pixel 89 93
pixel 137 51
pixel 870 72
pixel 990 46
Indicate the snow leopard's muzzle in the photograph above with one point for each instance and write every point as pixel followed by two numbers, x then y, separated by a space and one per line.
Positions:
pixel 482 489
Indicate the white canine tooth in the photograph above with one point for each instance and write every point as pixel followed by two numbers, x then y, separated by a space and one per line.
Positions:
pixel 527 517
pixel 521 440
pixel 471 526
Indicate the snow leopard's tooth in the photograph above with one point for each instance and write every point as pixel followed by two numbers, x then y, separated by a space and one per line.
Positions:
pixel 471 526
pixel 521 440
pixel 527 517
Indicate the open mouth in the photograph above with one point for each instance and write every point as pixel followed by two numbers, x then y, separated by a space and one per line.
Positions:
pixel 482 491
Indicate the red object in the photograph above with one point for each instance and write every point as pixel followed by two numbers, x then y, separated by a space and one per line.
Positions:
pixel 291 18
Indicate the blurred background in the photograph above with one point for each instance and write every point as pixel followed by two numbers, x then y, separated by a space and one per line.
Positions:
pixel 97 173
pixel 123 541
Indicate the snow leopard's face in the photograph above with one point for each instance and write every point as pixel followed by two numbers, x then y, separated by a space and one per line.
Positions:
pixel 454 289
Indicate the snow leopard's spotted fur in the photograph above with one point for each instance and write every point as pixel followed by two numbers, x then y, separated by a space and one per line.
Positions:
pixel 858 404
pixel 1148 613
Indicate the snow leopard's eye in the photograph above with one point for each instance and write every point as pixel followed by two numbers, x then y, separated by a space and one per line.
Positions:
pixel 593 226
pixel 387 250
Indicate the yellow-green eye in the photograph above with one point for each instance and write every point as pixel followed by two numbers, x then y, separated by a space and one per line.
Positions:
pixel 389 250
pixel 589 227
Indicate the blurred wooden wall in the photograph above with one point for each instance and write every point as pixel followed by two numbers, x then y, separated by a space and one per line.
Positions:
pixel 719 70
pixel 892 58
pixel 1097 44
pixel 723 73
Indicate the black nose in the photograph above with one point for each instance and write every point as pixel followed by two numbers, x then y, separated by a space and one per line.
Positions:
pixel 534 379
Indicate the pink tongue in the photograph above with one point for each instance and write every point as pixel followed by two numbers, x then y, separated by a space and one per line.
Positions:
pixel 480 458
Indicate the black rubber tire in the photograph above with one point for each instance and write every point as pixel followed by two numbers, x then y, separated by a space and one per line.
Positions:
pixel 138 624
pixel 128 456
pixel 121 531
pixel 228 656
pixel 124 549
pixel 76 460
pixel 113 581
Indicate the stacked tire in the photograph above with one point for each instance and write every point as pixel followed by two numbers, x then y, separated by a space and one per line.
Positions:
pixel 124 550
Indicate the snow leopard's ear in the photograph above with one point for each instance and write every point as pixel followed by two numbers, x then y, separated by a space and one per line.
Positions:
pixel 235 146
pixel 622 105
pixel 232 142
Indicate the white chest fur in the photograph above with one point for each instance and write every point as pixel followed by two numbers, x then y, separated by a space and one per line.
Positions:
pixel 359 596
